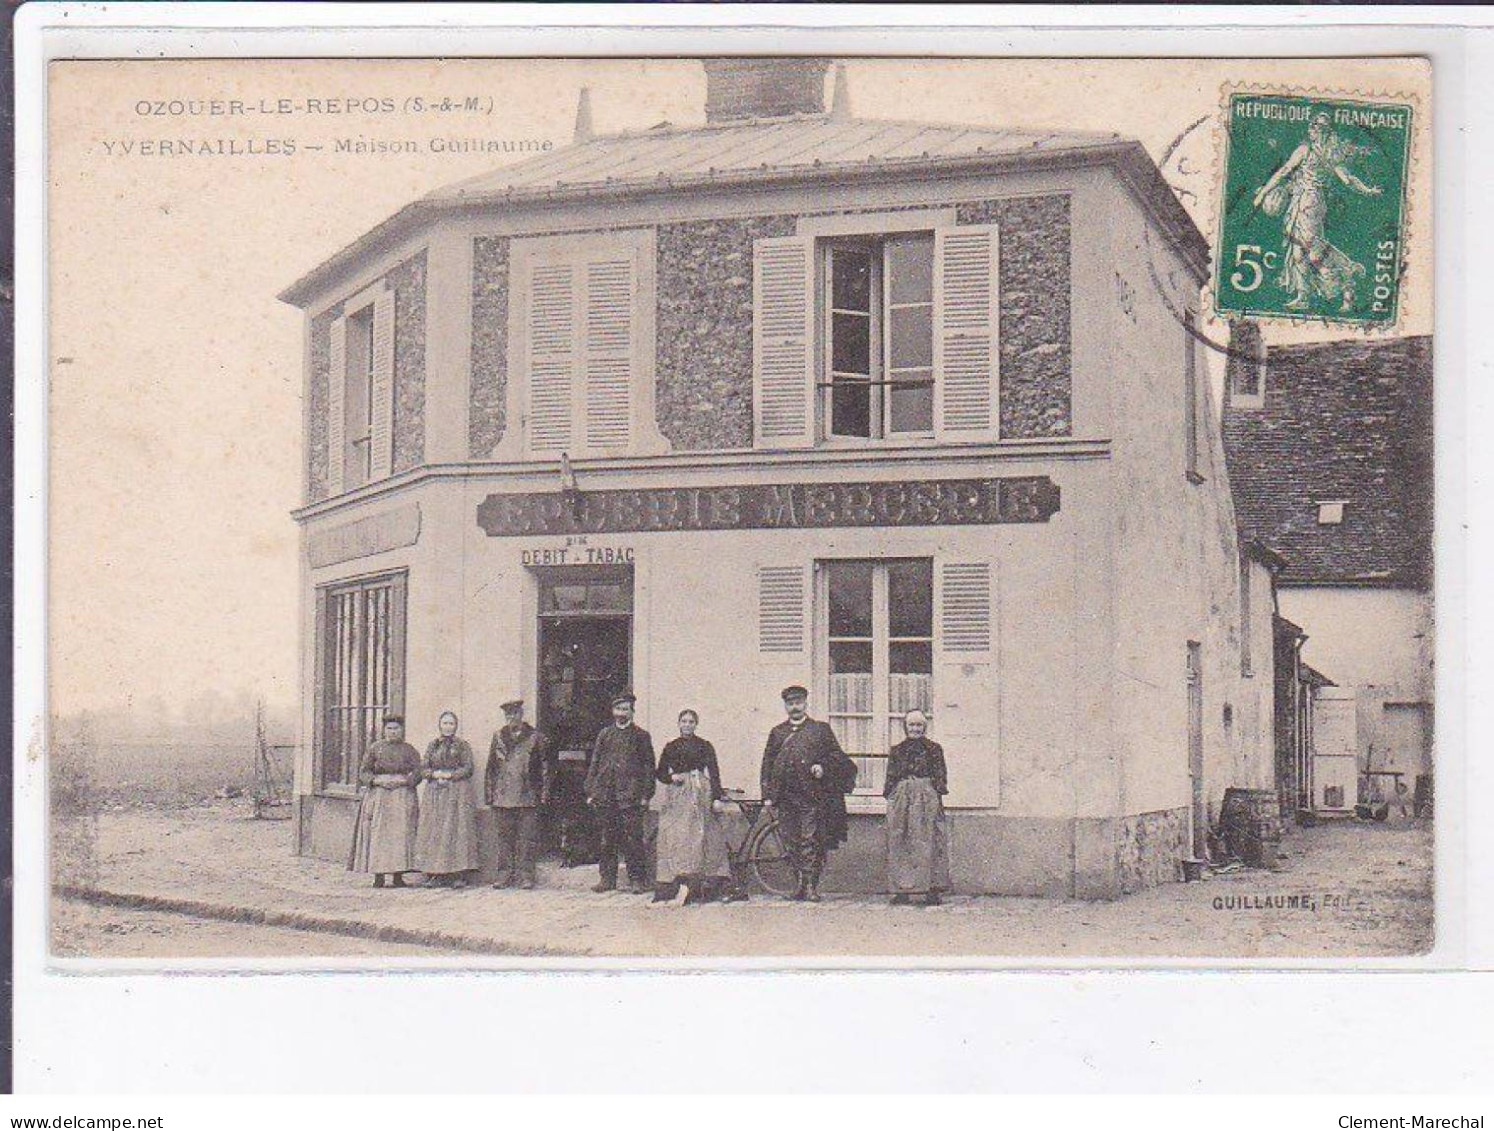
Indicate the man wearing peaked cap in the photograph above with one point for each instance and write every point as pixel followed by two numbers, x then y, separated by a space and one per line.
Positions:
pixel 806 776
pixel 517 784
pixel 618 787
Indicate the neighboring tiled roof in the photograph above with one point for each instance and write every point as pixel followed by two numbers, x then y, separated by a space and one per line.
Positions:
pixel 1346 421
pixel 803 148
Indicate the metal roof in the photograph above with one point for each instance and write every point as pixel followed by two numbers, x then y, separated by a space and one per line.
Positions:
pixel 804 148
pixel 734 149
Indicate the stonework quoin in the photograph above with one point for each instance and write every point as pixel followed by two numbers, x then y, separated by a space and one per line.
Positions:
pixel 489 344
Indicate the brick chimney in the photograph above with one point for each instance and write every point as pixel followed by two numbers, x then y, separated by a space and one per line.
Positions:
pixel 738 89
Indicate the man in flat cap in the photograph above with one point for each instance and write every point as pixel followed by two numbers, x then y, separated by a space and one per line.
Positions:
pixel 515 785
pixel 618 787
pixel 805 777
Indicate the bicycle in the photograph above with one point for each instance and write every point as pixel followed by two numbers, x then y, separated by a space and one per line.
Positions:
pixel 761 857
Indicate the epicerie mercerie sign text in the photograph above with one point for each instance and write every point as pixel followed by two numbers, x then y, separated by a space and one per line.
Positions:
pixel 793 506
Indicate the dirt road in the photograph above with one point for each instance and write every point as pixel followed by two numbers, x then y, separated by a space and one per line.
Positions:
pixel 1345 889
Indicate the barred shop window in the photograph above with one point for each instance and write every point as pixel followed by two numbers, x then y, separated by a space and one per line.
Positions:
pixel 879 651
pixel 880 337
pixel 361 628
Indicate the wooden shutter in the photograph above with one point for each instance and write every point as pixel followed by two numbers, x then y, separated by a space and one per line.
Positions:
pixel 966 322
pixel 966 694
pixel 552 356
pixel 783 338
pixel 337 389
pixel 381 412
pixel 781 608
pixel 610 286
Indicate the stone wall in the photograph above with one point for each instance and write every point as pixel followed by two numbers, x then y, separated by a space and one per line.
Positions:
pixel 703 360
pixel 1150 848
pixel 489 344
pixel 703 367
pixel 408 424
pixel 1036 348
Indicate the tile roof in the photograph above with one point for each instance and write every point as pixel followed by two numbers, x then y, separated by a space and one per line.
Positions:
pixel 796 149
pixel 1346 421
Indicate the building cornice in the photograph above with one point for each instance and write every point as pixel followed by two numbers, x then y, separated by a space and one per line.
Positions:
pixel 601 473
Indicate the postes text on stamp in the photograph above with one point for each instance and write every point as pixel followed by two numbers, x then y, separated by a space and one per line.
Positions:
pixel 1312 217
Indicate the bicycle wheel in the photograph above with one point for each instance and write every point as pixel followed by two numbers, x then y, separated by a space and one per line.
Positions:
pixel 768 860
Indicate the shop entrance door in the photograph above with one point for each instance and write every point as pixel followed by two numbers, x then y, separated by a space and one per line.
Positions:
pixel 585 658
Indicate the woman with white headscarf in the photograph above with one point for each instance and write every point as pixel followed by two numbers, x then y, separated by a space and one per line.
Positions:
pixel 917 837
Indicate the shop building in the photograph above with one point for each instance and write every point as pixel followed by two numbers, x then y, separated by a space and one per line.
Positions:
pixel 911 414
pixel 1330 457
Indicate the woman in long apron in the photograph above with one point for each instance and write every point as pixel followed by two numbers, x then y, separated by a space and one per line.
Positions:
pixel 917 836
pixel 693 864
pixel 446 845
pixel 384 834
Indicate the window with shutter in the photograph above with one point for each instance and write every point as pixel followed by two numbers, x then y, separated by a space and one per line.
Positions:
pixel 876 654
pixel 780 608
pixel 337 380
pixel 381 386
pixel 609 353
pixel 966 609
pixel 965 674
pixel 360 401
pixel 552 356
pixel 887 334
pixel 783 338
pixel 967 313
pixel 583 334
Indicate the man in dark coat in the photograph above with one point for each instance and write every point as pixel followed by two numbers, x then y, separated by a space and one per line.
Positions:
pixel 618 787
pixel 805 777
pixel 515 786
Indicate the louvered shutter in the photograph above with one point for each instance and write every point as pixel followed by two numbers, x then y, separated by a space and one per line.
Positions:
pixel 783 338
pixel 967 403
pixel 337 424
pixel 610 288
pixel 381 412
pixel 552 356
pixel 782 608
pixel 966 694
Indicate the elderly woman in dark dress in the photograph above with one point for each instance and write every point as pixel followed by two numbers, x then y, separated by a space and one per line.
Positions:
pixel 384 834
pixel 917 838
pixel 693 865
pixel 446 845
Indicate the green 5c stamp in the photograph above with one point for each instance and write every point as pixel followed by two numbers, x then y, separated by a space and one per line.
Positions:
pixel 1312 220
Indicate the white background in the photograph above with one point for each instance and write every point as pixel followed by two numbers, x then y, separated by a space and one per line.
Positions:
pixel 1304 1030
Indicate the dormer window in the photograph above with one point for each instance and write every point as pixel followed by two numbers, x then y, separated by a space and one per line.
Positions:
pixel 1331 513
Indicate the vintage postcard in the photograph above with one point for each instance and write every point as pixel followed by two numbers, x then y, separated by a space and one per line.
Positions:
pixel 774 508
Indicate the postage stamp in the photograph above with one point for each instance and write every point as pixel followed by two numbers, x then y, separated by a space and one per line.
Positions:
pixel 1312 218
